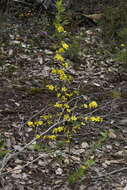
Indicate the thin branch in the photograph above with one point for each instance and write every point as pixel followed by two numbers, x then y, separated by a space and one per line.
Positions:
pixel 111 173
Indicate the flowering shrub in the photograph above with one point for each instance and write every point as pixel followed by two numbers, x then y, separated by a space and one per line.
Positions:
pixel 70 107
pixel 66 108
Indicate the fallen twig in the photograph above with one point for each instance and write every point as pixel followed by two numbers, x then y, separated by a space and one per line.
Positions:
pixel 110 173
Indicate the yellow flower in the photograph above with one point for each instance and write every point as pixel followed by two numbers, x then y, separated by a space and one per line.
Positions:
pixel 66 117
pixel 38 136
pixel 58 105
pixel 86 118
pixel 66 65
pixel 61 72
pixel 60 28
pixel 84 167
pixel 64 89
pixel 85 105
pixel 60 50
pixel 82 123
pixel 64 45
pixel 63 98
pixel 122 45
pixel 68 110
pixel 52 137
pixel 69 95
pixel 50 87
pixel 73 118
pixel 70 78
pixel 37 123
pixel 93 104
pixel 58 95
pixel 30 124
pixel 45 137
pixel 58 129
pixel 76 92
pixel 49 122
pixel 94 119
pixel 66 105
pixel 46 116
pixel 54 71
pixel 63 77
pixel 58 57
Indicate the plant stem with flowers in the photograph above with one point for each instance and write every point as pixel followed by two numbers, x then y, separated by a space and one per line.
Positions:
pixel 70 107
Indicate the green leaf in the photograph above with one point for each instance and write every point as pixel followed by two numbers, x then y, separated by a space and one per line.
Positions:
pixel 1 144
pixel 3 153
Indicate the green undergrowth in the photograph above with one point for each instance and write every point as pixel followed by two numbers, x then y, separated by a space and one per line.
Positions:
pixel 3 149
pixel 89 159
pixel 115 31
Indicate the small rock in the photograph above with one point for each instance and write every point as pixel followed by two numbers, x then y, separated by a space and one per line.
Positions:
pixel 42 163
pixel 17 169
pixel 109 147
pixel 84 145
pixel 59 171
pixel 31 158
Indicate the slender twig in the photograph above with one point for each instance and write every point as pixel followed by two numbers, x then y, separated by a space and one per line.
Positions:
pixel 110 173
